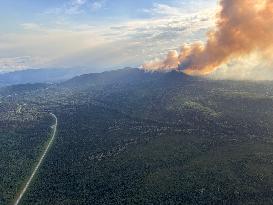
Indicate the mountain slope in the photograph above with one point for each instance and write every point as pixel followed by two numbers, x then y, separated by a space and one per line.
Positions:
pixel 130 137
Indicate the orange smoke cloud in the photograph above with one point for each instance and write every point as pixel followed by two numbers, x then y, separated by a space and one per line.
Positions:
pixel 243 26
pixel 169 63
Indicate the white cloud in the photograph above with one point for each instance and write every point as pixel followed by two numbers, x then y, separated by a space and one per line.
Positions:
pixel 30 26
pixel 79 2
pixel 97 5
pixel 75 7
pixel 70 8
pixel 162 9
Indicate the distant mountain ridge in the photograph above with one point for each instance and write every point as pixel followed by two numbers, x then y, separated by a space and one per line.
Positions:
pixel 39 76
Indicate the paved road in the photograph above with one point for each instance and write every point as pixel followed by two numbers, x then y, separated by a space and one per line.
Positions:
pixel 54 127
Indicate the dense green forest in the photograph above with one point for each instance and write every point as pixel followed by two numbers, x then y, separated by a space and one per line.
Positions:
pixel 23 134
pixel 130 137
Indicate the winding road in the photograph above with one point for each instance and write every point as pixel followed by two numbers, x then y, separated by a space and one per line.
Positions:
pixel 54 127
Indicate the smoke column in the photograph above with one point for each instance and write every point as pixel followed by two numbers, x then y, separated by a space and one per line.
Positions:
pixel 242 27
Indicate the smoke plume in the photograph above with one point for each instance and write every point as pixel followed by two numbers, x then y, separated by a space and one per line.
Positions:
pixel 242 27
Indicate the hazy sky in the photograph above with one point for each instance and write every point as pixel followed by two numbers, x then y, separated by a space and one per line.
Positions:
pixel 97 33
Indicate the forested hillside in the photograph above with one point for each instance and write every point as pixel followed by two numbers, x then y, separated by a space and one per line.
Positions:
pixel 131 137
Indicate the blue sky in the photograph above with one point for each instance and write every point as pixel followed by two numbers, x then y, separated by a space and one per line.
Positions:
pixel 100 34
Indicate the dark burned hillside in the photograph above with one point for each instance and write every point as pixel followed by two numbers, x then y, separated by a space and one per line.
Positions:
pixel 130 137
